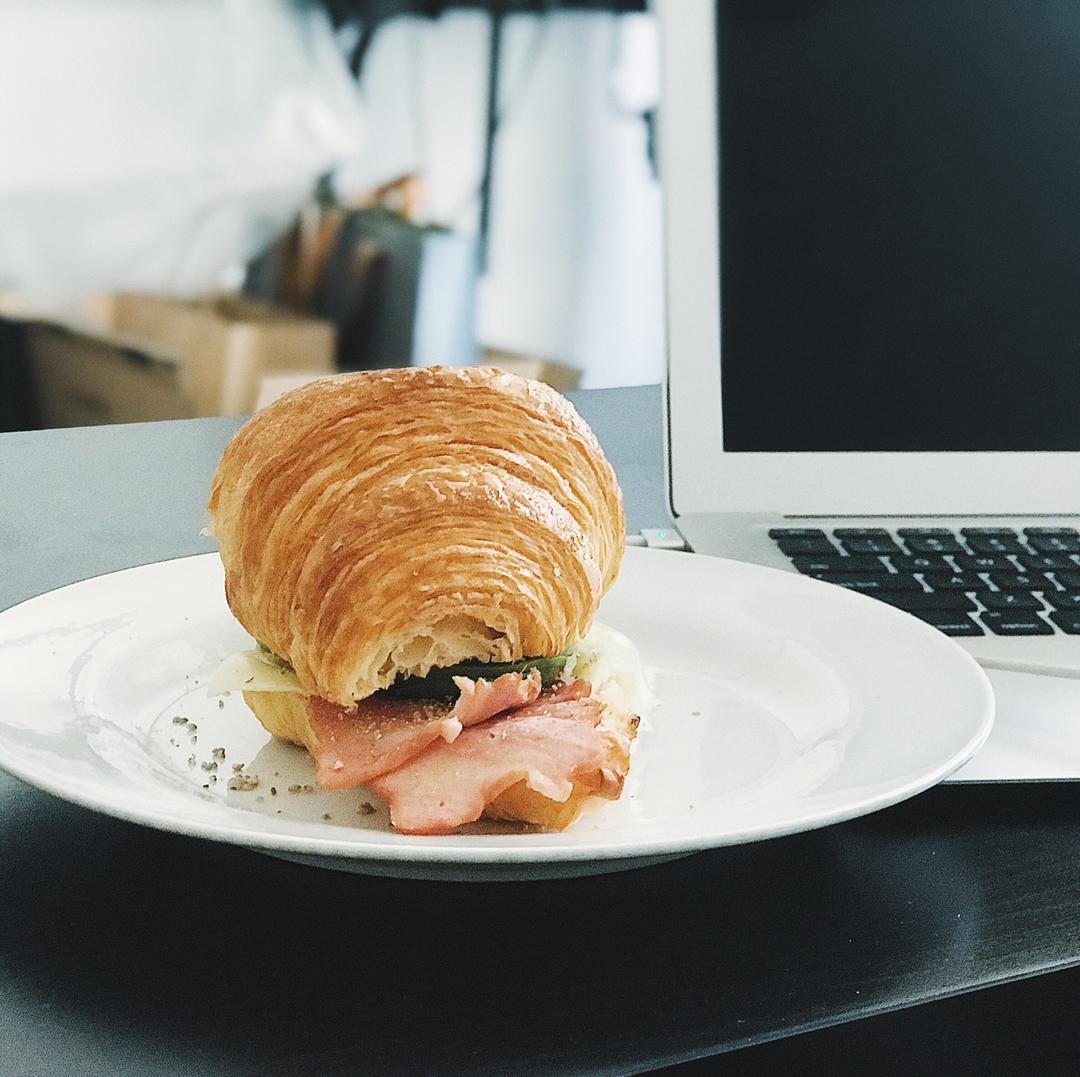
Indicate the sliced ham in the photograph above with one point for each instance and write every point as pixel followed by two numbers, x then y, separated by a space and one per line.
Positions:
pixel 561 693
pixel 480 699
pixel 547 744
pixel 356 744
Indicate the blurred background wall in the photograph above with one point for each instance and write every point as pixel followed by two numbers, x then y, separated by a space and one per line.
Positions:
pixel 573 253
pixel 204 201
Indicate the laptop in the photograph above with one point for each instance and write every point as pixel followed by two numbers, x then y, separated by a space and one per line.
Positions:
pixel 872 216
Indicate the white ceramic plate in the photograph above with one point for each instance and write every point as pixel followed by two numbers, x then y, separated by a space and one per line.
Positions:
pixel 781 704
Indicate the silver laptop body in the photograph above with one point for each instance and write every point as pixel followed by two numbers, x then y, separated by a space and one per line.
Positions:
pixel 758 453
pixel 727 498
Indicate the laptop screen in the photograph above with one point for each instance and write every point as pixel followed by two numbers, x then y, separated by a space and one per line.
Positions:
pixel 900 225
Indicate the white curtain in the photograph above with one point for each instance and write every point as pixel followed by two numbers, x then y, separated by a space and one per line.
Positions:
pixel 157 146
pixel 575 262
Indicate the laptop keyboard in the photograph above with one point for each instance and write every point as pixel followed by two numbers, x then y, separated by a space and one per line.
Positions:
pixel 968 582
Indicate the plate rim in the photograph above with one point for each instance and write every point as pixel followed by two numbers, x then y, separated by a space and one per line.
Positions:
pixel 442 850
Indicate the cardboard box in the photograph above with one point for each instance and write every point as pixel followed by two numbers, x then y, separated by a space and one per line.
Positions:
pixel 81 379
pixel 559 376
pixel 225 346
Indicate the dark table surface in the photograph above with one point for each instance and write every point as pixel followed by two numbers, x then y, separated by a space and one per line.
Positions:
pixel 127 950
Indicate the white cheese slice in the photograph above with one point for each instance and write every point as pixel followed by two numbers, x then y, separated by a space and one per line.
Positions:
pixel 249 671
pixel 610 662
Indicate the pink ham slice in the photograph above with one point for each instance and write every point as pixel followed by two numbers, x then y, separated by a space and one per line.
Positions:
pixel 354 745
pixel 480 699
pixel 561 693
pixel 547 743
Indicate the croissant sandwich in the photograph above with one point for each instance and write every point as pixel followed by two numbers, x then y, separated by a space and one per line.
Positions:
pixel 420 554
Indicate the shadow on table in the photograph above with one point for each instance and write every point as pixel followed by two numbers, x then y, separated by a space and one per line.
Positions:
pixel 167 954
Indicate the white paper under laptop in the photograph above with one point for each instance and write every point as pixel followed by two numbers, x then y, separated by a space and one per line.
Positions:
pixel 873 245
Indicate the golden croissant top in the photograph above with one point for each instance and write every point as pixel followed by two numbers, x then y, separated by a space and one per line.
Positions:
pixel 383 523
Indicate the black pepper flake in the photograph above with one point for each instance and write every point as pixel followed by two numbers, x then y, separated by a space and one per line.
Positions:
pixel 179 719
pixel 366 808
pixel 273 790
pixel 218 753
pixel 326 815
pixel 221 704
pixel 208 765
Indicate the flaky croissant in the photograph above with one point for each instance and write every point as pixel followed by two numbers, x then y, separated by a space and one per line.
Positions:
pixel 379 524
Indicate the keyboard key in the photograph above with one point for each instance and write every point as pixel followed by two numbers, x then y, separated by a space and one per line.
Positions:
pixel 1069 580
pixel 994 544
pixel 796 532
pixel 916 532
pixel 1046 562
pixel 869 544
pixel 985 562
pixel 795 547
pixel 868 583
pixel 1021 581
pixel 952 624
pixel 954 581
pixel 1015 623
pixel 812 566
pixel 1052 531
pixel 1055 543
pixel 1001 532
pixel 1067 621
pixel 1009 600
pixel 1063 600
pixel 934 544
pixel 927 600
pixel 861 532
pixel 924 563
